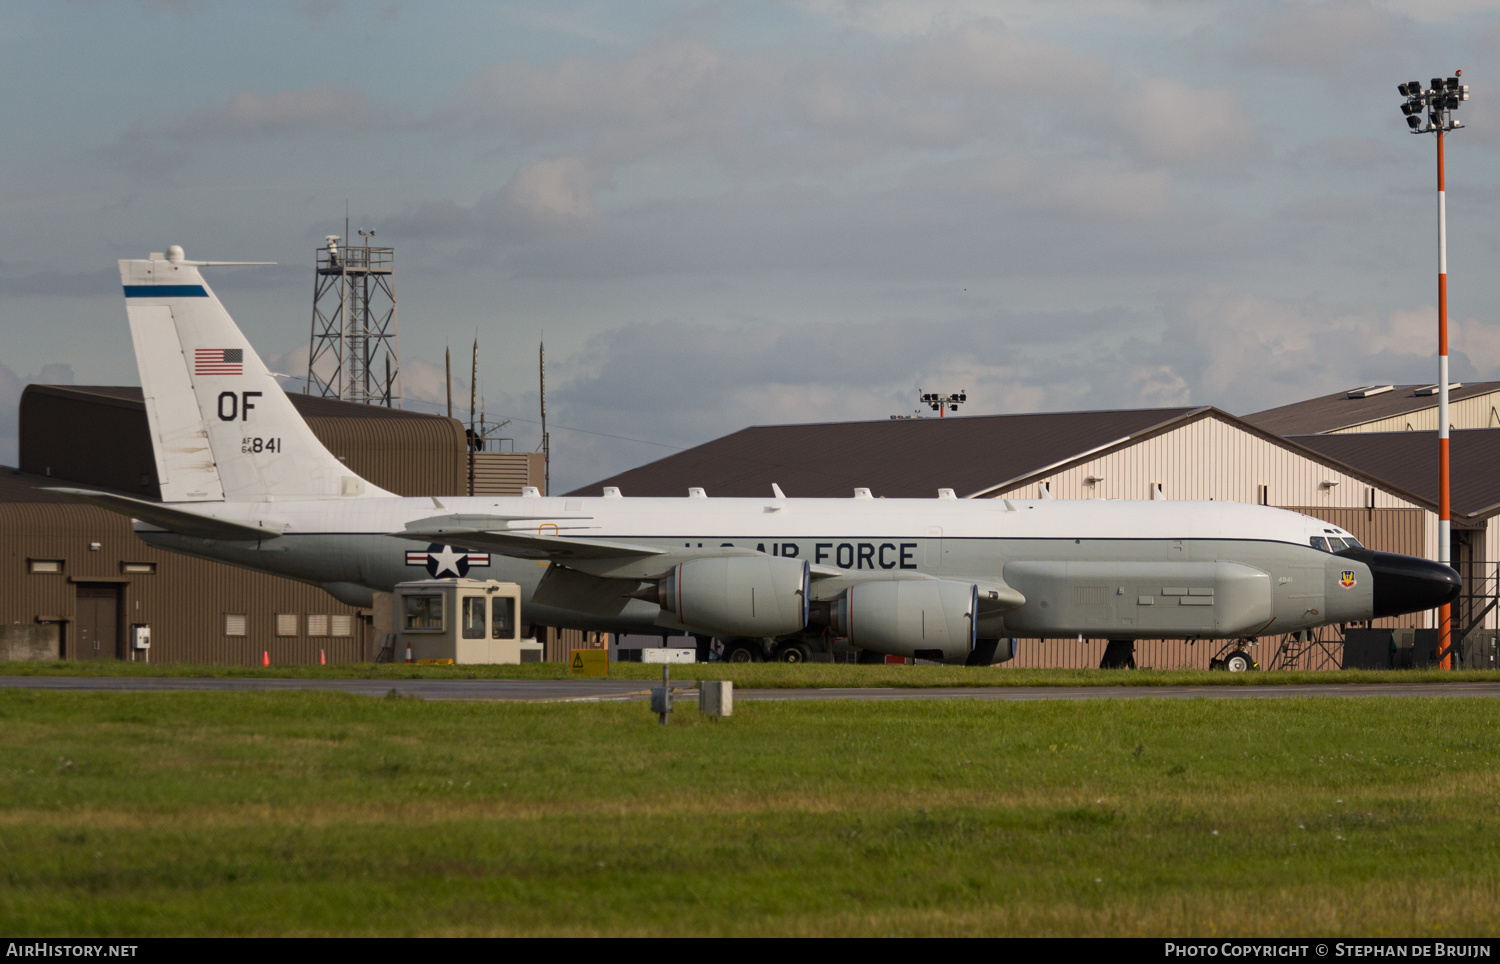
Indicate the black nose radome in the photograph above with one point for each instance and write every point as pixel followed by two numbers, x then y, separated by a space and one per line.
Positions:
pixel 1407 584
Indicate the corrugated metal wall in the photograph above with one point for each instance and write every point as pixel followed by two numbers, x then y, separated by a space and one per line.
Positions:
pixel 506 473
pixel 184 601
pixel 1389 530
pixel 557 642
pixel 1211 459
pixel 408 456
pixel 1163 654
pixel 1481 411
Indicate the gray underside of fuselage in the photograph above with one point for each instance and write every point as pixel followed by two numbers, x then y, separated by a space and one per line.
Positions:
pixel 1116 588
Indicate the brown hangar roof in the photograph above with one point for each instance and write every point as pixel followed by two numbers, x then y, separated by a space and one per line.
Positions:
pixel 899 458
pixel 98 435
pixel 1408 460
pixel 1329 413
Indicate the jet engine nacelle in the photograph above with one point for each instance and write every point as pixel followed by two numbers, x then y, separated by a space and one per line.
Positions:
pixel 740 595
pixel 921 618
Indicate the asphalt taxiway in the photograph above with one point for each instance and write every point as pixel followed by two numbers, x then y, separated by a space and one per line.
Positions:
pixel 593 691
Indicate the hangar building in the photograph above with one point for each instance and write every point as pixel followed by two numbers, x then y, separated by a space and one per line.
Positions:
pixel 1356 481
pixel 1384 408
pixel 74 578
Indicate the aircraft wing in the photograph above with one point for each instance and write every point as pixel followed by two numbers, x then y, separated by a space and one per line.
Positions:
pixel 596 557
pixel 494 533
pixel 172 518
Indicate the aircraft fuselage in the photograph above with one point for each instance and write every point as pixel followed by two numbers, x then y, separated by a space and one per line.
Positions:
pixel 1119 569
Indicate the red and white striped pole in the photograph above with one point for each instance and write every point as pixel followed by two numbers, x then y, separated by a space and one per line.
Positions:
pixel 1445 518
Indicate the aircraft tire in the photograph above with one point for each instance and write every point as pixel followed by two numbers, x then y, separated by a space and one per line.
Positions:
pixel 792 653
pixel 740 651
pixel 1239 661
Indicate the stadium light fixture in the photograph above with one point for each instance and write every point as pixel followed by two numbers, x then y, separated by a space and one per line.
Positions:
pixel 943 404
pixel 1439 102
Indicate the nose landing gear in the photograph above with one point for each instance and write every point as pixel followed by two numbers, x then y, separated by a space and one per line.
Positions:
pixel 1235 659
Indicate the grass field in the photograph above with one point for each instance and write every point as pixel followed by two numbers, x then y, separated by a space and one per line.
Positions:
pixel 766 675
pixel 316 813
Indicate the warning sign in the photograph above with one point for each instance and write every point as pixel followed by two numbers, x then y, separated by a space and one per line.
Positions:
pixel 589 662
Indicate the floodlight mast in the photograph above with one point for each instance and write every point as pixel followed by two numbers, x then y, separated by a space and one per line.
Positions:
pixel 1439 102
pixel 942 404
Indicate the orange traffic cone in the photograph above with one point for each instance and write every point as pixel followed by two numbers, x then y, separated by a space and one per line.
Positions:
pixel 322 658
pixel 265 658
pixel 408 652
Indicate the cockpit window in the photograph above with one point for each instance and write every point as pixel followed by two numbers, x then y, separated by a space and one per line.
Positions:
pixel 1318 542
pixel 1335 545
pixel 1353 543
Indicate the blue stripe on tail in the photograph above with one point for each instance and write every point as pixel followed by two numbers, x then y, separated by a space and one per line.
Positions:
pixel 165 291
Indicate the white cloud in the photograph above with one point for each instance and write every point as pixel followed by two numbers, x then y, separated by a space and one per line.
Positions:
pixel 251 113
pixel 1323 37
pixel 1173 123
pixel 560 188
pixel 11 387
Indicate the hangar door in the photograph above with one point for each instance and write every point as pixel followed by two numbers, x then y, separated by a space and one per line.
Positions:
pixel 1386 530
pixel 97 619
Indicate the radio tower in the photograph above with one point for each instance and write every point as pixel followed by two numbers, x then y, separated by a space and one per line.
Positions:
pixel 354 354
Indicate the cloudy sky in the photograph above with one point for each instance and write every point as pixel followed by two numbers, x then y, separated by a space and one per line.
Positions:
pixel 720 214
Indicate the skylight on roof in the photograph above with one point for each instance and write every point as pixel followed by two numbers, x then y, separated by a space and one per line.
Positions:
pixel 1433 389
pixel 1369 390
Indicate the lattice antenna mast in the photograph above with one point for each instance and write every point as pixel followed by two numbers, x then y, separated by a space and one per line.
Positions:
pixel 355 351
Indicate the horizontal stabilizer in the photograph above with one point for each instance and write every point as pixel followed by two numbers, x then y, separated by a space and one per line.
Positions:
pixel 171 518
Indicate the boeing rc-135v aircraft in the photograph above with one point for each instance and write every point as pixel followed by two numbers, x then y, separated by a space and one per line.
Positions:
pixel 244 481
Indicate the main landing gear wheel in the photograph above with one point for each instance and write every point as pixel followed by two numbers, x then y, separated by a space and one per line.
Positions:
pixel 742 652
pixel 791 653
pixel 1239 661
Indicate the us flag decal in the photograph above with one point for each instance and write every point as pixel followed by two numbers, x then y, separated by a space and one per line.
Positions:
pixel 218 361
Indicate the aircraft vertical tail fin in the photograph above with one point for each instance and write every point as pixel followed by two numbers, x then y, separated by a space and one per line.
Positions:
pixel 221 427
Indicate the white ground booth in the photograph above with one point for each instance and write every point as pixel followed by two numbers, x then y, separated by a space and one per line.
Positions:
pixel 465 620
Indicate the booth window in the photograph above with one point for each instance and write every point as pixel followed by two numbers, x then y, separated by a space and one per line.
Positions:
pixel 424 611
pixel 473 617
pixel 505 618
